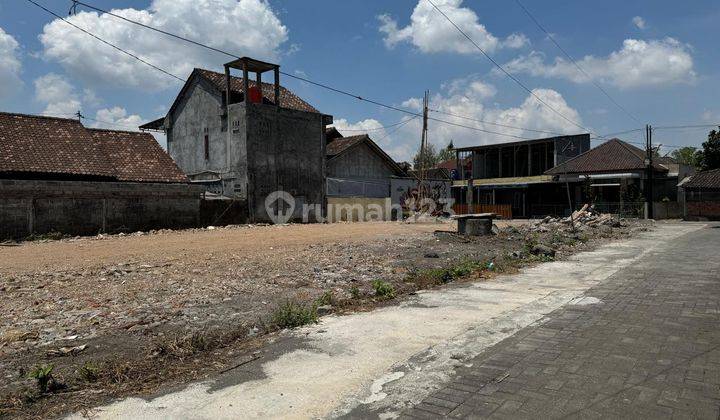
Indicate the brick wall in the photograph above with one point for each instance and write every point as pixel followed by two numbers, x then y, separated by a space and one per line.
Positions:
pixel 703 210
pixel 88 208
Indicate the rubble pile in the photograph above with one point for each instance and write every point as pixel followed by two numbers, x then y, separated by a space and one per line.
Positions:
pixel 583 219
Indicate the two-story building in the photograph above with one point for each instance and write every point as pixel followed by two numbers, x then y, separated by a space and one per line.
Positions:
pixel 510 178
pixel 245 139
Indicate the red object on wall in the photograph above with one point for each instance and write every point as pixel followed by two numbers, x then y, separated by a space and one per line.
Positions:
pixel 255 94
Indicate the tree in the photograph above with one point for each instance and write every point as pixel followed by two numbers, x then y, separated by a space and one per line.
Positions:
pixel 426 159
pixel 710 155
pixel 686 156
pixel 447 153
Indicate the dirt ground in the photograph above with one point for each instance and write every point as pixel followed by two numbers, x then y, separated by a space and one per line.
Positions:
pixel 125 307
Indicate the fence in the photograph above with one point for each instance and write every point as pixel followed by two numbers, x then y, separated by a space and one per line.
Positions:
pixel 503 210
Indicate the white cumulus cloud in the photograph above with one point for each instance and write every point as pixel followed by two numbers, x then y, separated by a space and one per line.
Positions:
pixel 389 139
pixel 638 63
pixel 10 65
pixel 117 118
pixel 470 101
pixel 639 22
pixel 59 96
pixel 430 32
pixel 248 27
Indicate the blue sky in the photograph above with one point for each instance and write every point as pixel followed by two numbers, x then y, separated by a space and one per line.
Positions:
pixel 658 59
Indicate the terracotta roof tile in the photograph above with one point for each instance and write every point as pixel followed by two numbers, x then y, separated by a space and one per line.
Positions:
pixel 60 146
pixel 287 98
pixel 338 146
pixel 612 156
pixel 138 157
pixel 705 179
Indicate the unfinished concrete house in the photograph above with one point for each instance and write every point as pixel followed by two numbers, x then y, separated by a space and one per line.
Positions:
pixel 245 139
pixel 58 176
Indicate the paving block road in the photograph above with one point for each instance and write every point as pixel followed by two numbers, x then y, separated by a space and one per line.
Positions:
pixel 643 344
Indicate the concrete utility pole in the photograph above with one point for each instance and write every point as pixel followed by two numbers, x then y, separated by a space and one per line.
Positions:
pixel 650 174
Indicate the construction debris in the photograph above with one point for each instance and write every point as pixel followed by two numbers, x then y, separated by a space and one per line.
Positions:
pixel 582 219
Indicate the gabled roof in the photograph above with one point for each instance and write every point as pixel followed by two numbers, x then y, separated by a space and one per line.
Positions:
pixel 343 145
pixel 705 179
pixel 612 156
pixel 137 157
pixel 47 146
pixel 217 80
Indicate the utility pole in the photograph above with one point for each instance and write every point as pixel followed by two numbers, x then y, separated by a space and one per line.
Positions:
pixel 79 116
pixel 649 165
pixel 424 139
pixel 423 150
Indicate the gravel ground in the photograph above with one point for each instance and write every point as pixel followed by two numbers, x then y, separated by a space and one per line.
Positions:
pixel 132 300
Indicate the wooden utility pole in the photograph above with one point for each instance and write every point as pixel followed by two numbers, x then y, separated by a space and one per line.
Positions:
pixel 424 139
pixel 423 150
pixel 650 174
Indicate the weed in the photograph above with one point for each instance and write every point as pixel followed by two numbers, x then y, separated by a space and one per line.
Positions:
pixel 292 314
pixel 43 378
pixel 383 289
pixel 90 372
pixel 355 292
pixel 326 298
pixel 49 236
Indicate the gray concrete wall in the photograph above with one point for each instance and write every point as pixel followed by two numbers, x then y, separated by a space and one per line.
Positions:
pixel 361 163
pixel 285 151
pixel 201 113
pixel 88 208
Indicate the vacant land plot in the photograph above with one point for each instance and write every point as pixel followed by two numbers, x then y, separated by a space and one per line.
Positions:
pixel 114 314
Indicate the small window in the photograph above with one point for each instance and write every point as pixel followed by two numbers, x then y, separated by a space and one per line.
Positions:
pixel 207 147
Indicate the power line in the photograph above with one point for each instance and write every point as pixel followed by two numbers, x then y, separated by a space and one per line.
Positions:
pixel 342 92
pixel 580 69
pixel 106 42
pixel 284 73
pixel 377 128
pixel 679 127
pixel 496 124
pixel 513 78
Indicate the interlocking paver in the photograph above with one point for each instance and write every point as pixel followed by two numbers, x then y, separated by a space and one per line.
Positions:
pixel 650 349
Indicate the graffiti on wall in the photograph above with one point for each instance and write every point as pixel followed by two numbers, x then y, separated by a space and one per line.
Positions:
pixel 415 195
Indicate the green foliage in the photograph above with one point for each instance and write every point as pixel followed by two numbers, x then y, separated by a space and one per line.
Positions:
pixel 383 289
pixel 446 153
pixel 434 276
pixel 43 377
pixel 427 158
pixel 90 372
pixel 326 298
pixel 355 292
pixel 686 156
pixel 709 157
pixel 49 236
pixel 431 157
pixel 292 314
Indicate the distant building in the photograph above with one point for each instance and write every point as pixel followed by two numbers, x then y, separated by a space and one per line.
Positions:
pixel 702 196
pixel 357 166
pixel 58 176
pixel 511 179
pixel 614 176
pixel 245 139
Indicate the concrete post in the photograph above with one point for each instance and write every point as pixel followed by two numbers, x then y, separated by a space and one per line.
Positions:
pixel 277 86
pixel 246 83
pixel 227 89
